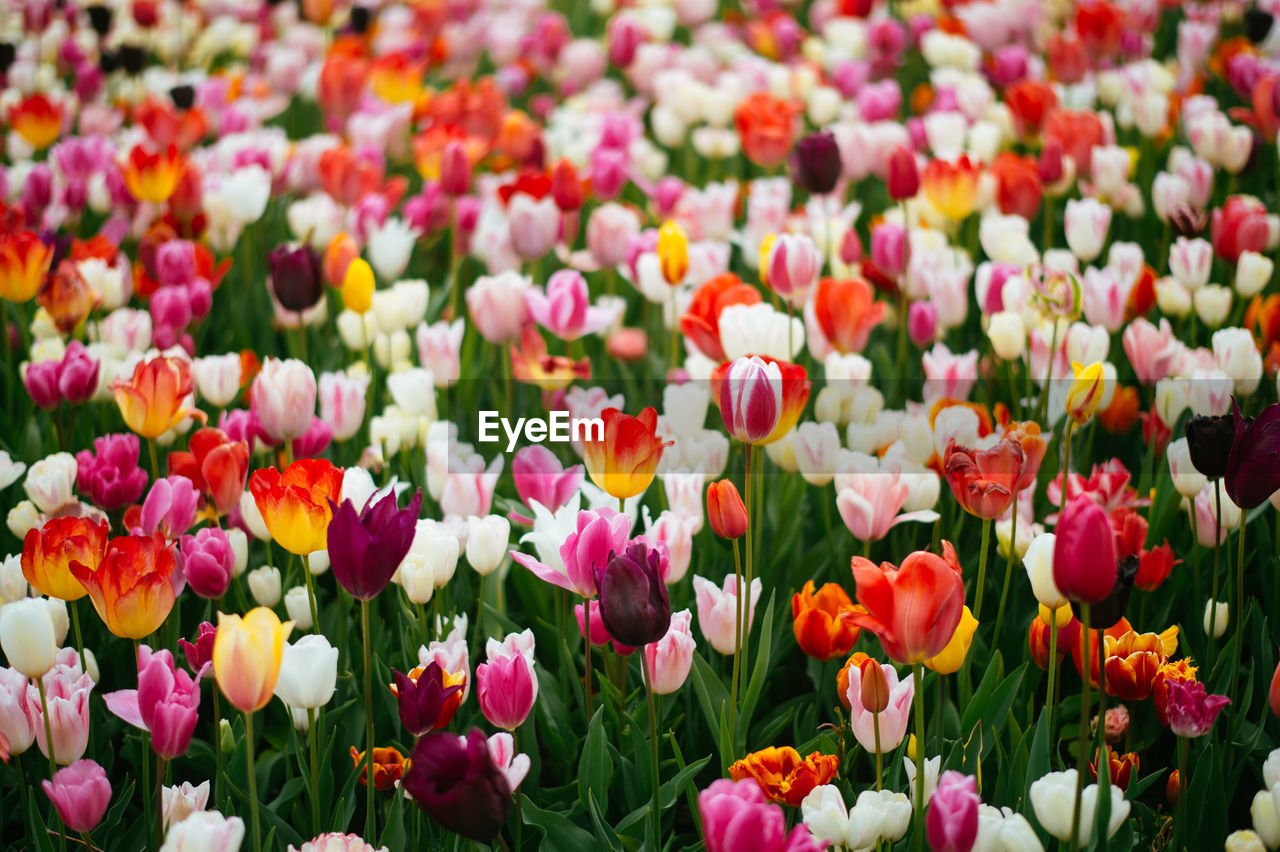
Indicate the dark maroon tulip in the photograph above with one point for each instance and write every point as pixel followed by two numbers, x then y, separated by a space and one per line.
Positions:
pixel 200 653
pixel 295 277
pixel 818 163
pixel 1253 468
pixel 421 703
pixel 633 597
pixel 455 781
pixel 1209 440
pixel 366 548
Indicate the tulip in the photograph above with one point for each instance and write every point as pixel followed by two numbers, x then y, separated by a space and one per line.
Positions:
pixel 456 782
pixel 335 842
pixel 151 400
pixel 950 658
pixel 751 399
pixel 216 465
pixel 1086 222
pixel 80 793
pixel 1053 799
pixel 633 596
pixel 1209 442
pixel 49 551
pixel 534 225
pixel 880 727
pixel 718 611
pixel 132 587
pixel 200 653
pixel 295 505
pixel 358 285
pixel 794 266
pixel 170 507
pixel 984 481
pixel 1187 480
pixel 217 378
pixel 296 278
pixel 669 659
pixel 206 831
pixel 1252 472
pixel 487 542
pixel 284 398
pixel 247 654
pixel 818 165
pixel 265 585
pixel 952 821
pixel 110 475
pixel 624 460
pixel 735 815
pixel 66 694
pixel 903 176
pixel 1086 391
pixel 913 610
pixel 725 510
pixel 565 309
pixel 17 722
pixel 24 262
pixel 366 547
pixel 783 775
pixel 166 703
pixel 825 624
pixel 308 673
pixel 27 636
pixel 1191 710
pixel 207 562
pixel 507 685
pixel 1084 556
pixel 181 801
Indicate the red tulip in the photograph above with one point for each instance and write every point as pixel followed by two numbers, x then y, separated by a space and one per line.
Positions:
pixel 914 610
pixel 983 481
pixel 216 465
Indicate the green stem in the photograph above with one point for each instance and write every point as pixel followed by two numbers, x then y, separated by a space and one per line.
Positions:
pixel 740 605
pixel 917 835
pixel 1008 569
pixel 1180 815
pixel 369 822
pixel 966 687
pixel 875 719
pixel 311 594
pixel 155 462
pixel 160 763
pixel 75 626
pixel 315 771
pixel 253 780
pixel 1082 759
pixel 1212 650
pixel 743 648
pixel 1237 607
pixel 654 810
pixel 216 740
pixel 586 652
pixel 53 763
pixel 1048 379
pixel 1049 705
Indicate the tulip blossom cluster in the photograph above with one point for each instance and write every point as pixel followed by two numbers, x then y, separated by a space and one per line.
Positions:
pixel 829 292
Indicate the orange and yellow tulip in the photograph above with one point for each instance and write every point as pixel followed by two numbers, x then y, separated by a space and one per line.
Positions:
pixel 37 120
pixel 952 187
pixel 132 587
pixel 49 551
pixel 246 656
pixel 783 775
pixel 389 766
pixel 153 175
pixel 1181 670
pixel 824 623
pixel 624 462
pixel 295 505
pixel 1133 660
pixel 151 400
pixel 24 262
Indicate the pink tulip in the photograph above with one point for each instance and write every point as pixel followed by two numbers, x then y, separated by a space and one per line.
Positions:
pixel 312 443
pixel 608 172
pixel 1152 351
pixel 952 821
pixel 166 703
pixel 869 503
pixel 455 169
pixel 670 658
pixel 80 793
pixel 496 304
pixel 342 403
pixel 674 532
pixel 888 249
pixel 736 816
pixel 207 562
pixel 599 633
pixel 949 375
pixel 468 486
pixel 17 722
pixel 751 399
pixel 1105 295
pixel 599 534
pixel 1190 709
pixel 507 685
pixel 534 225
pixel 717 611
pixel 893 718
pixel 439 350
pixel 922 323
pixel 67 690
pixel 170 507
pixel 110 475
pixel 609 229
pixel 284 399
pixel 565 309
pixel 41 382
pixel 73 378
pixel 795 265
pixel 539 476
pixel 1084 551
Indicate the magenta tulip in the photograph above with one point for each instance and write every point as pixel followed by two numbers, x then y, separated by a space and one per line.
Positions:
pixel 1084 552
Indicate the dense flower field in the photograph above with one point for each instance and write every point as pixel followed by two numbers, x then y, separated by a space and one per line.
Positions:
pixel 639 424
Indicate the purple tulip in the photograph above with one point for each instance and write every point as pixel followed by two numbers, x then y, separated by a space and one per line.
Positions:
pixel 952 822
pixel 818 164
pixel 455 781
pixel 365 548
pixel 78 376
pixel 633 597
pixel 422 702
pixel 296 279
pixel 200 653
pixel 1253 467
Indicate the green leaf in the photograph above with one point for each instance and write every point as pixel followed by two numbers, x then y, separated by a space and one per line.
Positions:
pixel 712 697
pixel 393 833
pixel 594 770
pixel 607 836
pixel 559 831
pixel 760 671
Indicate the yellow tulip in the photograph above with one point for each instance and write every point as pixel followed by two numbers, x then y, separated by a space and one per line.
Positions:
pixel 246 656
pixel 1086 391
pixel 950 658
pixel 673 252
pixel 357 286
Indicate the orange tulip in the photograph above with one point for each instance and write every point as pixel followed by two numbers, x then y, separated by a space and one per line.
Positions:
pixel 701 321
pixel 389 766
pixel 1118 417
pixel 842 677
pixel 1018 187
pixel 132 587
pixel 1132 663
pixel 952 187
pixel 766 127
pixel 49 550
pixel 1122 767
pixel 824 624
pixel 153 175
pixel 24 261
pixel 1027 434
pixel 624 462
pixel 846 311
pixel 295 505
pixel 914 609
pixel 37 120
pixel 783 776
pixel 725 511
pixel 341 84
pixel 246 656
pixel 151 400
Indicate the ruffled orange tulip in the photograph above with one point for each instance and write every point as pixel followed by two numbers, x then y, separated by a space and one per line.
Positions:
pixel 24 261
pixel 783 775
pixel 246 656
pixel 913 610
pixel 151 400
pixel 951 187
pixel 846 310
pixel 49 550
pixel 766 127
pixel 1134 659
pixel 824 623
pixel 37 120
pixel 624 462
pixel 132 587
pixel 389 766
pixel 295 505
pixel 153 175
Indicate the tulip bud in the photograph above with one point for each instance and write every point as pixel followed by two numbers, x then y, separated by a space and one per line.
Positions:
pixel 903 180
pixel 226 737
pixel 27 636
pixel 1253 273
pixel 1008 335
pixel 725 510
pixel 357 286
pixel 264 584
pixel 1212 303
pixel 1209 440
pixel 487 542
pixel 673 252
pixel 1244 840
pixel 1215 618
pixel 1086 391
pixel 455 169
pixel 875 687
pixel 298 604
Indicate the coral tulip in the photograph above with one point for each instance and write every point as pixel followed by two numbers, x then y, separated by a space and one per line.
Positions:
pixel 216 465
pixel 913 610
pixel 389 766
pixel 132 588
pixel 846 311
pixel 984 481
pixel 151 400
pixel 725 511
pixel 766 128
